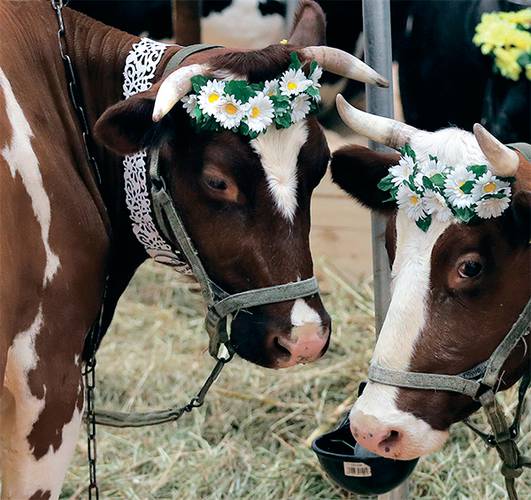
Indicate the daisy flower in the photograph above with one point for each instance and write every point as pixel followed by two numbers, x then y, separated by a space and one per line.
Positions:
pixel 293 82
pixel 403 170
pixel 455 181
pixel 435 204
pixel 210 96
pixel 229 112
pixel 259 112
pixel 433 167
pixel 270 88
pixel 492 207
pixel 300 107
pixel 316 76
pixel 411 202
pixel 488 183
pixel 189 103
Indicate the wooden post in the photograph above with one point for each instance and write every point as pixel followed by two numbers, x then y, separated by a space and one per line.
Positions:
pixel 186 21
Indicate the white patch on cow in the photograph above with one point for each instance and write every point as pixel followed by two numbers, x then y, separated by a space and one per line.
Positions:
pixel 279 152
pixel 302 313
pixel 241 25
pixel 403 324
pixel 453 146
pixel 23 475
pixel 21 158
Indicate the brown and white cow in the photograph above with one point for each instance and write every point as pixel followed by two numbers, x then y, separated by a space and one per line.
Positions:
pixel 456 289
pixel 245 204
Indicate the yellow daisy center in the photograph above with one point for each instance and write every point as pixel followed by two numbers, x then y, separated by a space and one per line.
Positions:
pixel 461 184
pixel 230 109
pixel 255 112
pixel 414 200
pixel 212 98
pixel 292 85
pixel 489 187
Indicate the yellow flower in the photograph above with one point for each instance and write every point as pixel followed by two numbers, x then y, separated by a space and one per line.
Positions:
pixel 507 62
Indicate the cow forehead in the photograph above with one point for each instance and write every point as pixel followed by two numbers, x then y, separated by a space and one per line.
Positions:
pixel 279 152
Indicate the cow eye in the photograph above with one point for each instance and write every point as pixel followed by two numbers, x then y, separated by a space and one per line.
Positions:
pixel 216 183
pixel 470 269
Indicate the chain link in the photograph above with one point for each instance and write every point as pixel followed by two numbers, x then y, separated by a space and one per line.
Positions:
pixel 90 419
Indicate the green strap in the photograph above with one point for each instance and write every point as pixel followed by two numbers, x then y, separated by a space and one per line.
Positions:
pixel 178 58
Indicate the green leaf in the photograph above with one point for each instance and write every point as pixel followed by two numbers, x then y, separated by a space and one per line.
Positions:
pixel 386 184
pixel 433 158
pixel 524 59
pixel 426 182
pixel 467 187
pixel 295 61
pixel 312 91
pixel 283 121
pixel 244 128
pixel 465 214
pixel 438 180
pixel 198 114
pixel 198 81
pixel 424 223
pixel 408 151
pixel 240 89
pixel 313 66
pixel 477 170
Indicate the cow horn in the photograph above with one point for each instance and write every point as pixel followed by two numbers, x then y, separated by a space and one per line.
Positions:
pixel 344 64
pixel 377 128
pixel 503 160
pixel 174 88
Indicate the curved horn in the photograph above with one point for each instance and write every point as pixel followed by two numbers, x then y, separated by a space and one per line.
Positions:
pixel 377 128
pixel 344 64
pixel 503 160
pixel 174 88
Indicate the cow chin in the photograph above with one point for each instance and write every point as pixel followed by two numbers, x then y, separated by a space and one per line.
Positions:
pixel 379 426
pixel 273 343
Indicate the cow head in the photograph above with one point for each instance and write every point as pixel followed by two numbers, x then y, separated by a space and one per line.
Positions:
pixel 245 203
pixel 456 288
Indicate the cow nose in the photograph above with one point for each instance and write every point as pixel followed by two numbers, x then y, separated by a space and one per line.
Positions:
pixel 376 436
pixel 306 343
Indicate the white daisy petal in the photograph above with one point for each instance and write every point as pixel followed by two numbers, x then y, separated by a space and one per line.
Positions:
pixel 300 107
pixel 489 184
pixel 316 76
pixel 293 82
pixel 271 87
pixel 411 202
pixel 260 112
pixel 229 112
pixel 492 207
pixel 403 170
pixel 189 103
pixel 452 188
pixel 435 205
pixel 209 97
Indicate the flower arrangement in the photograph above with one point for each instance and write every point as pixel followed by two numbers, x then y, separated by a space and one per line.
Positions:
pixel 507 37
pixel 432 190
pixel 250 108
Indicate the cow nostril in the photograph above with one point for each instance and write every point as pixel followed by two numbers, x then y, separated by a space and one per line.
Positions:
pixel 390 440
pixel 284 352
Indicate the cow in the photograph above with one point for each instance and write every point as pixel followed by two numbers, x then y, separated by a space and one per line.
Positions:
pixel 66 238
pixel 457 288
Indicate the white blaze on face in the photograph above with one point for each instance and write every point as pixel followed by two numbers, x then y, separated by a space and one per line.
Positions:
pixel 401 329
pixel 21 159
pixel 302 313
pixel 279 152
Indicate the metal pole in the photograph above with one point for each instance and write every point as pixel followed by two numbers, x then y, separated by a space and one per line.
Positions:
pixel 378 54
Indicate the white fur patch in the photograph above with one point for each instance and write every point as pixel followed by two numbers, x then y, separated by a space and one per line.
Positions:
pixel 21 158
pixel 23 475
pixel 302 313
pixel 279 153
pixel 241 25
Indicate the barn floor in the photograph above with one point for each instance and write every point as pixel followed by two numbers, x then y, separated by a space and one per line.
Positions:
pixel 250 440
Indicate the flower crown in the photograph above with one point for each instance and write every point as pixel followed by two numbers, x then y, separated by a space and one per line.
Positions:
pixel 250 108
pixel 432 190
pixel 507 37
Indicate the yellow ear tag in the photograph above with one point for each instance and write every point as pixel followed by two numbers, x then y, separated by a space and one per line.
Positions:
pixel 283 42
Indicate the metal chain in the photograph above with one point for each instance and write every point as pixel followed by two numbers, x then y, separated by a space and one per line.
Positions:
pixel 74 90
pixel 90 420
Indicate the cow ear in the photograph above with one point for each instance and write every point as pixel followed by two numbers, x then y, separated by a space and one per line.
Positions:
pixel 126 127
pixel 309 25
pixel 358 170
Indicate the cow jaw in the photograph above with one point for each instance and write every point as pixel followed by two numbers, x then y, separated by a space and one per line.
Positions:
pixel 395 348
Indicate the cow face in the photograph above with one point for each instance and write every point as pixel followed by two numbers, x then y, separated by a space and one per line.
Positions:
pixel 245 203
pixel 456 291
